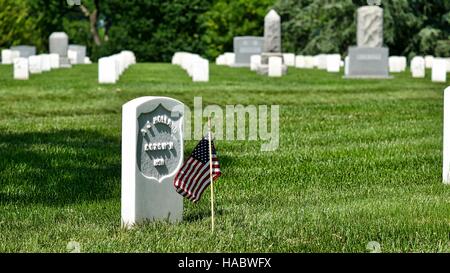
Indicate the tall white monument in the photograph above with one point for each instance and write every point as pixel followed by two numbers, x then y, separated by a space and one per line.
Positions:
pixel 369 59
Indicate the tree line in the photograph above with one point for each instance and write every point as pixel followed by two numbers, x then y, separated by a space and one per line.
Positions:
pixel 155 29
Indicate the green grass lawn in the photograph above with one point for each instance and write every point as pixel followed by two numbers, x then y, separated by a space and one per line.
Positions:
pixel 359 161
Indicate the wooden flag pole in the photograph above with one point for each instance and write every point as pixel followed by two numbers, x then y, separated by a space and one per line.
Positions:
pixel 211 174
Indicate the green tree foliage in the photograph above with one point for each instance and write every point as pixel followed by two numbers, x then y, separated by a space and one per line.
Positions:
pixel 227 19
pixel 411 27
pixel 155 29
pixel 18 25
pixel 313 26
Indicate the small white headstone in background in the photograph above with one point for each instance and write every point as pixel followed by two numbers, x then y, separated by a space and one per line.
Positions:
pixel 403 63
pixel 87 60
pixel 333 62
pixel 148 192
pixel 200 71
pixel 72 55
pixel 275 66
pixel 418 67
pixel 255 62
pixel 9 55
pixel 300 61
pixel 54 60
pixel 34 64
pixel 110 68
pixel 229 58
pixel 395 65
pixel 45 62
pixel 429 61
pixel 289 59
pixel 321 61
pixel 21 69
pixel 447 60
pixel 220 60
pixel 309 62
pixel 439 70
pixel 107 70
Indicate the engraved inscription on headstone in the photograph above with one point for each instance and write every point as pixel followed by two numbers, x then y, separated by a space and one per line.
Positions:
pixel 158 144
pixel 245 47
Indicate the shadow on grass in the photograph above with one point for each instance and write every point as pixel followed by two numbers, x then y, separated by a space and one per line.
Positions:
pixel 200 214
pixel 58 167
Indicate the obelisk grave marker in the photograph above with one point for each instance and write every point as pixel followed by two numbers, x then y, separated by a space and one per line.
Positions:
pixel 152 153
pixel 272 42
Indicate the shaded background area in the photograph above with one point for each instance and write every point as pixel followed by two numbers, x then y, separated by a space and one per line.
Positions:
pixel 155 29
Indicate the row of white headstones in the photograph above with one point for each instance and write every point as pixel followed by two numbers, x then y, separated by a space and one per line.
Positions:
pixel 196 66
pixel 36 64
pixel 110 68
pixel 333 62
pixel 8 56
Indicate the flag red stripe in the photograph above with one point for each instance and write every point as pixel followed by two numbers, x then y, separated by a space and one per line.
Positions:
pixel 186 172
pixel 201 185
pixel 182 171
pixel 198 174
pixel 191 181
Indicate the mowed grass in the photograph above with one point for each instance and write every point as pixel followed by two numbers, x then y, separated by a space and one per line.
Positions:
pixel 358 161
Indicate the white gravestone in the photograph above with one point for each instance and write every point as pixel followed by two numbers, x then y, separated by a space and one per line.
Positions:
pixel 418 67
pixel 333 63
pixel 220 60
pixel 439 70
pixel 200 72
pixel 21 69
pixel 321 61
pixel 54 60
pixel 447 60
pixel 289 59
pixel 395 64
pixel 309 62
pixel 34 64
pixel 403 62
pixel 152 154
pixel 73 56
pixel 45 62
pixel 275 67
pixel 300 61
pixel 9 55
pixel 107 70
pixel 446 138
pixel 429 61
pixel 80 53
pixel 255 62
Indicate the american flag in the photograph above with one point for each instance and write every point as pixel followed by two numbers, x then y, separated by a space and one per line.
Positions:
pixel 194 177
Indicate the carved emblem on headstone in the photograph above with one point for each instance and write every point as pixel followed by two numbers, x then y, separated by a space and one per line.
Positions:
pixel 159 143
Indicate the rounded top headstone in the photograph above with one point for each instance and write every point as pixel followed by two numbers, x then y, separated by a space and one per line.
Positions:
pixel 59 35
